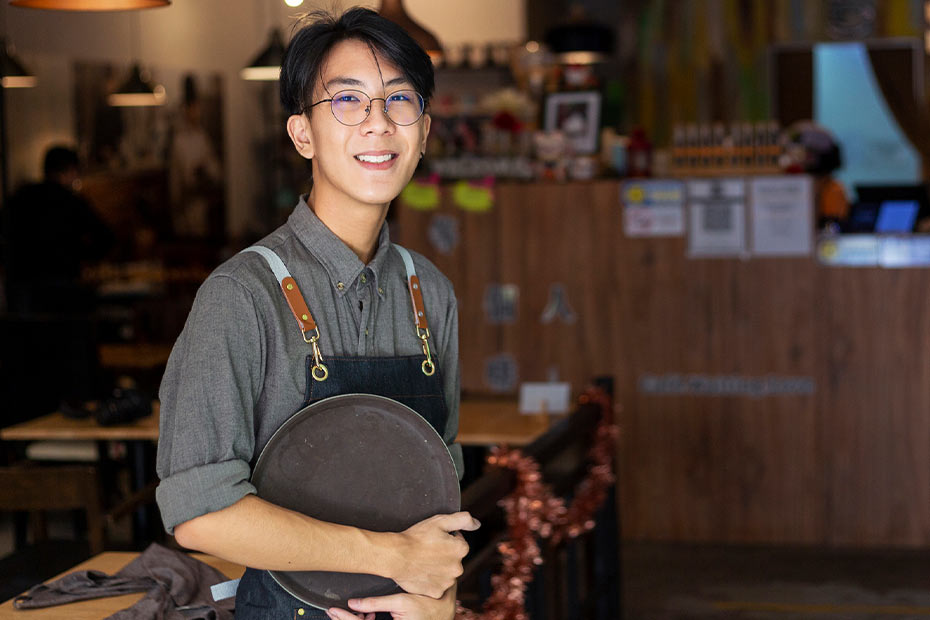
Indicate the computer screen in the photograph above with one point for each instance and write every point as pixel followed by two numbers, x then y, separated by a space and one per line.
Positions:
pixel 897 216
pixel 862 217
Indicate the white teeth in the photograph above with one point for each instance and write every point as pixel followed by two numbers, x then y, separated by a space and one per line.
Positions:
pixel 374 159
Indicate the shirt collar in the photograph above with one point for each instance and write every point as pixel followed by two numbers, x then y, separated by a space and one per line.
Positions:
pixel 340 262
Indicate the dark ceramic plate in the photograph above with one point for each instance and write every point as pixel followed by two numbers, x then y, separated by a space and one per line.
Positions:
pixel 361 460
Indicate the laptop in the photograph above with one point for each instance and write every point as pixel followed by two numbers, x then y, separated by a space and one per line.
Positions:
pixel 897 216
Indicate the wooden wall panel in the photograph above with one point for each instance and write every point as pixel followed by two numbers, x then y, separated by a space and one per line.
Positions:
pixel 846 465
pixel 875 404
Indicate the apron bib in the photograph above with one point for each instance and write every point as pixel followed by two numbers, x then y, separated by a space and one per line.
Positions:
pixel 413 380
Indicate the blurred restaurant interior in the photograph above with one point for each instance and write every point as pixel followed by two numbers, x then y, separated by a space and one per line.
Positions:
pixel 692 235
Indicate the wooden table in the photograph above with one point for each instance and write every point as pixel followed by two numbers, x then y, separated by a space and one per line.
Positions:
pixel 492 421
pixel 57 426
pixel 110 563
pixel 482 422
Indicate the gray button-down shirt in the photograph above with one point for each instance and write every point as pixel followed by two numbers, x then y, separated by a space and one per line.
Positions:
pixel 237 371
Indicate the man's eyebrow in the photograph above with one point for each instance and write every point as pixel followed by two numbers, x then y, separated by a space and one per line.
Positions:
pixel 397 81
pixel 344 81
pixel 348 81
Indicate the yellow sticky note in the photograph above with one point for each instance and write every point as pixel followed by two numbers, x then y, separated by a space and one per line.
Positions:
pixel 421 196
pixel 473 198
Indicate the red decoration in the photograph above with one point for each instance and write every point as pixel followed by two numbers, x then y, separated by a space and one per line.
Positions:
pixel 532 510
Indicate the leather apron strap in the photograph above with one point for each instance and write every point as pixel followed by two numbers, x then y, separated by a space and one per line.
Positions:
pixel 308 327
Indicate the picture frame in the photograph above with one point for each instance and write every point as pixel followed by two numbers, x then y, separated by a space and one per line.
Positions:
pixel 577 114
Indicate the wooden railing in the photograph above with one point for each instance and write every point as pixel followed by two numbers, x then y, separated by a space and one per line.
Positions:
pixel 579 578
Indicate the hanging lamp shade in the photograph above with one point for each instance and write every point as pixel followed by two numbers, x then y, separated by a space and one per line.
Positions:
pixel 90 5
pixel 136 91
pixel 267 65
pixel 580 41
pixel 394 11
pixel 12 72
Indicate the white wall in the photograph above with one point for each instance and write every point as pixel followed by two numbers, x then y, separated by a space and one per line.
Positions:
pixel 201 35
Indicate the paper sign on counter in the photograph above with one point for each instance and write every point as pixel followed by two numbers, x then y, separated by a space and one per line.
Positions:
pixel 545 397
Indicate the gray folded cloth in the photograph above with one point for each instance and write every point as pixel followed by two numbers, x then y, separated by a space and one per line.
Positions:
pixel 177 587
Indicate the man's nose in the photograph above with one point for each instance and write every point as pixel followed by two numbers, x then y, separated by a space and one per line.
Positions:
pixel 377 115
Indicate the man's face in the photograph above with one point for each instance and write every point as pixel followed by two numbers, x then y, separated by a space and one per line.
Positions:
pixel 372 162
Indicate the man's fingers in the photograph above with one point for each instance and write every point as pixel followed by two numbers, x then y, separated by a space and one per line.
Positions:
pixel 391 603
pixel 458 521
pixel 341 614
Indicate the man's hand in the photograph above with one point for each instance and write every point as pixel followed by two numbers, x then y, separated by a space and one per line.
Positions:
pixel 402 607
pixel 431 556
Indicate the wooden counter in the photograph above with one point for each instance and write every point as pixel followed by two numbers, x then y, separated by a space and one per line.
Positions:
pixel 845 464
pixel 492 421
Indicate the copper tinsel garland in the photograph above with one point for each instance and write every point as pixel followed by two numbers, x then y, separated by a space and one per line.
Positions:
pixel 533 510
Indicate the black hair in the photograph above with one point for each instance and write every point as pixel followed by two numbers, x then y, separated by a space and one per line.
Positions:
pixel 312 42
pixel 59 159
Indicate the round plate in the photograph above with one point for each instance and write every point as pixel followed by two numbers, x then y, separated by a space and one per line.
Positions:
pixel 355 459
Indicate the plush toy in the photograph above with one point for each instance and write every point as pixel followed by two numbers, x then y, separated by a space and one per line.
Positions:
pixel 552 154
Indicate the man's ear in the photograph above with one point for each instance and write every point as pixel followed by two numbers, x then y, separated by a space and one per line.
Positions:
pixel 426 125
pixel 298 128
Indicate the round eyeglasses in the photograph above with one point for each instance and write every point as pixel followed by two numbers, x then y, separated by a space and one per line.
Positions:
pixel 352 107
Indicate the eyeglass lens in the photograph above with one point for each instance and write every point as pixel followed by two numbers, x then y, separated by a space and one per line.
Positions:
pixel 403 107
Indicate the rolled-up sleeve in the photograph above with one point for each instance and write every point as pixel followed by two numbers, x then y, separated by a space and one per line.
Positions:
pixel 211 384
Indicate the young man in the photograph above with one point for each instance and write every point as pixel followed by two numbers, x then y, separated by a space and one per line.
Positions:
pixel 355 88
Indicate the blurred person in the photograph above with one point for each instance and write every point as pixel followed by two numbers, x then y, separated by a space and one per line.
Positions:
pixel 49 355
pixel 194 171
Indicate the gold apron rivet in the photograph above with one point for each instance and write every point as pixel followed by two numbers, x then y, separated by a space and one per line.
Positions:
pixel 301 611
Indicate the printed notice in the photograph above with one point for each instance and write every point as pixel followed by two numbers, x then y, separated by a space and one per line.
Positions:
pixel 782 215
pixel 716 218
pixel 653 208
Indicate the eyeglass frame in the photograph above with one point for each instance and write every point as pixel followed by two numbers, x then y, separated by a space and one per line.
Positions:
pixel 370 101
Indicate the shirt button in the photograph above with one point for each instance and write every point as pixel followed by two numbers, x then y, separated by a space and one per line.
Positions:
pixel 364 279
pixel 366 331
pixel 340 285
pixel 380 290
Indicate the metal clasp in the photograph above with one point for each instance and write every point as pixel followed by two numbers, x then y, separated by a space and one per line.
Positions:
pixel 318 370
pixel 427 366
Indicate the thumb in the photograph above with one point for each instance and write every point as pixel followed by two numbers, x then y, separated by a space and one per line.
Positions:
pixel 391 603
pixel 458 521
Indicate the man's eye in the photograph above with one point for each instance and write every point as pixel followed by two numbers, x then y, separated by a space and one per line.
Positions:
pixel 347 99
pixel 400 97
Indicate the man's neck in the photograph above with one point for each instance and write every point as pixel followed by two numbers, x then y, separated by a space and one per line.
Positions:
pixel 357 225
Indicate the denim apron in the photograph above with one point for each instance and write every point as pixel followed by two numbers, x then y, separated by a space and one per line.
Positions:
pixel 413 380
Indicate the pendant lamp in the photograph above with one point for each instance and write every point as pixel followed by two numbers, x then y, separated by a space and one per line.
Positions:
pixel 137 91
pixel 90 5
pixel 267 65
pixel 581 41
pixel 394 11
pixel 12 72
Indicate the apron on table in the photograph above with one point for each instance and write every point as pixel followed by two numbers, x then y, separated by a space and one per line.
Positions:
pixel 413 380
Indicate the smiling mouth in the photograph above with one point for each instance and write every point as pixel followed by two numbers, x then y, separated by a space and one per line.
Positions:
pixel 376 159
